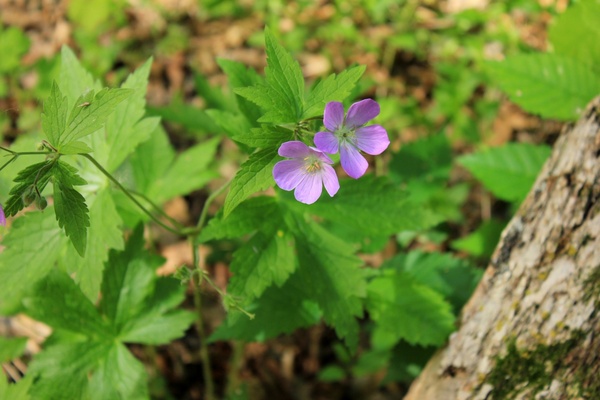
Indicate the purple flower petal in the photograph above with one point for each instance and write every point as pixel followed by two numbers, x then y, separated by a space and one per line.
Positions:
pixel 289 173
pixel 327 142
pixel 330 180
pixel 372 139
pixel 294 149
pixel 361 112
pixel 333 116
pixel 352 161
pixel 3 217
pixel 310 188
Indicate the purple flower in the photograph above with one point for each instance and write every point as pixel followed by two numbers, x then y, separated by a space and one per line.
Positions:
pixel 349 135
pixel 2 217
pixel 307 171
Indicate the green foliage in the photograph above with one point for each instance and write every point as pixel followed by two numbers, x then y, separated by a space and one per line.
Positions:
pixel 406 309
pixel 550 85
pixel 13 45
pixel 86 356
pixel 71 211
pixel 31 182
pixel 481 242
pixel 576 32
pixel 508 171
pixel 11 348
pixel 254 175
pixel 16 391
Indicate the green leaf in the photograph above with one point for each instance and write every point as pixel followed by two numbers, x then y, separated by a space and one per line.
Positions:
pixel 373 206
pixel 187 173
pixel 64 369
pixel 576 33
pixel 265 136
pixel 69 205
pixel 266 259
pixel 190 117
pixel 11 348
pixel 151 159
pixel 330 275
pixel 32 246
pixel 90 113
pixel 255 174
pixel 139 303
pixel 332 373
pixel 54 118
pixel 281 97
pixel 427 159
pixel 74 79
pixel 453 278
pixel 550 85
pixel 30 182
pixel 249 216
pixel 58 302
pixel 239 76
pixel 508 171
pixel 481 242
pixel 125 127
pixel 15 391
pixel 279 310
pixel 232 123
pixel 408 310
pixel 119 376
pixel 14 43
pixel 283 74
pixel 104 233
pixel 333 88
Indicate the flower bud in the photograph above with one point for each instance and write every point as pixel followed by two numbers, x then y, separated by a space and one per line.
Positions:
pixel 41 203
pixel 29 196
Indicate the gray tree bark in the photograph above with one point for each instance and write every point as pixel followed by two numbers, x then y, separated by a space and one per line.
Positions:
pixel 531 330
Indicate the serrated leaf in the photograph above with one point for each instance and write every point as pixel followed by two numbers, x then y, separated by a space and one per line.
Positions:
pixel 550 85
pixel 508 171
pixel 104 233
pixel 276 107
pixel 246 218
pixel 240 76
pixel 278 311
pixel 453 278
pixel 576 33
pixel 373 206
pixel 64 369
pixel 74 79
pixel 266 259
pixel 54 117
pixel 119 376
pixel 401 307
pixel 71 210
pixel 187 173
pixel 125 127
pixel 90 113
pixel 76 147
pixel 266 136
pixel 283 74
pixel 330 275
pixel 32 246
pixel 30 180
pixel 255 174
pixel 151 159
pixel 333 88
pixel 58 302
pixel 137 302
pixel 231 123
pixel 190 117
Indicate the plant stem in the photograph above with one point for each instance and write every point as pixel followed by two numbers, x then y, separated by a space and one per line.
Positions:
pixel 209 391
pixel 233 380
pixel 157 208
pixel 208 202
pixel 129 195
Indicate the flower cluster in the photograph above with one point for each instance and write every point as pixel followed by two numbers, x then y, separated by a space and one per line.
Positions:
pixel 309 168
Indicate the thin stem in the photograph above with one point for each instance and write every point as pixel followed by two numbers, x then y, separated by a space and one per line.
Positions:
pixel 129 195
pixel 8 162
pixel 209 392
pixel 157 208
pixel 233 379
pixel 208 202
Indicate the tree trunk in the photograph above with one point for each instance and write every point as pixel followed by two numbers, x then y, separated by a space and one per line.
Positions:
pixel 531 330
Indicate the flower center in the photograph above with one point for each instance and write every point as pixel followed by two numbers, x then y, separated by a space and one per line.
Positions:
pixel 312 164
pixel 345 134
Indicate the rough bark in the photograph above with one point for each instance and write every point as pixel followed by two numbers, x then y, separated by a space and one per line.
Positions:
pixel 532 328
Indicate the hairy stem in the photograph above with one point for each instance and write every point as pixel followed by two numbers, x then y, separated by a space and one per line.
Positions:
pixel 129 195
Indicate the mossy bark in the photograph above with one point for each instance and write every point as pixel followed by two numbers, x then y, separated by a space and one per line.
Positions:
pixel 532 328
